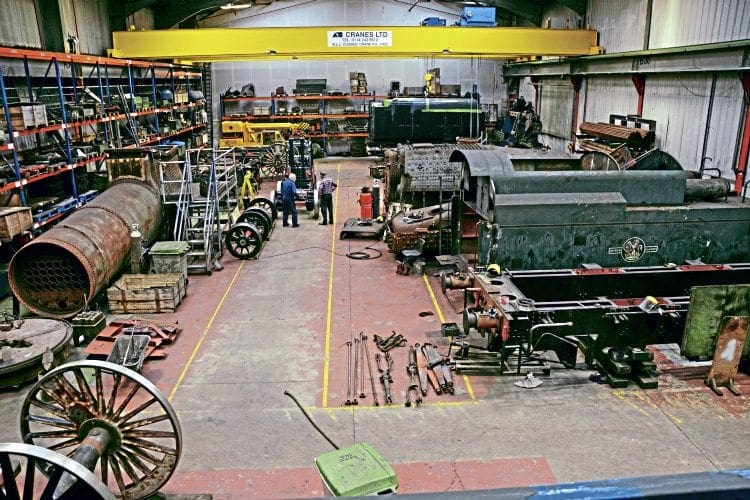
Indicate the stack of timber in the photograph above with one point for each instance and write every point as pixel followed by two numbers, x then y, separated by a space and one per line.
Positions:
pixel 607 137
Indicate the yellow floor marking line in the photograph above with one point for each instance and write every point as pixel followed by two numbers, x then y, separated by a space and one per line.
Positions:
pixel 623 396
pixel 205 332
pixel 439 311
pixel 327 354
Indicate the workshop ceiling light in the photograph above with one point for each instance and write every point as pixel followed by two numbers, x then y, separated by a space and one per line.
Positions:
pixel 236 6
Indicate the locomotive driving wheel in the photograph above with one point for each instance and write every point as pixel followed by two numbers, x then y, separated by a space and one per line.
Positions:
pixel 95 405
pixel 67 479
pixel 244 240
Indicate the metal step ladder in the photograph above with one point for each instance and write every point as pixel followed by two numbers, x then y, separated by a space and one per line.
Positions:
pixel 201 220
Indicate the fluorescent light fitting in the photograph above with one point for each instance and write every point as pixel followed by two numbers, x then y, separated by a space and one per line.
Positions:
pixel 236 6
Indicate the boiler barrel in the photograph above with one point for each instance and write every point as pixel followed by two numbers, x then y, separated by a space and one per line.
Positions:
pixel 55 274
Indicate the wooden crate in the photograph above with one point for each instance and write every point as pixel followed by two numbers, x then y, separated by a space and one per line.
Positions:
pixel 14 221
pixel 146 293
pixel 25 115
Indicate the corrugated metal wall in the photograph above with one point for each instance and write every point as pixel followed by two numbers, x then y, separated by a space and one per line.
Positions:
pixel 606 95
pixel 86 19
pixel 18 26
pixel 692 119
pixel 621 24
pixel 89 21
pixel 266 76
pixel 680 106
pixel 691 22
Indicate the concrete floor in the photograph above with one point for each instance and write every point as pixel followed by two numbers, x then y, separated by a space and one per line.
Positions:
pixel 260 327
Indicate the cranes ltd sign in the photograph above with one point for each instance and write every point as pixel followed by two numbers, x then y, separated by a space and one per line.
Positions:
pixel 360 38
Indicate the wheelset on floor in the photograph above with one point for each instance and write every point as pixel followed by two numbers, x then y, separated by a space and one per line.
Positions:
pixel 244 240
pixel 92 429
pixel 267 205
pixel 259 218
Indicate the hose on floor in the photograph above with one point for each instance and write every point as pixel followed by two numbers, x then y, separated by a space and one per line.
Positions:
pixel 363 255
pixel 309 418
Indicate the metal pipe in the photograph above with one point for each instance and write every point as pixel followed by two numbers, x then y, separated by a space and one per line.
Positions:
pixel 53 274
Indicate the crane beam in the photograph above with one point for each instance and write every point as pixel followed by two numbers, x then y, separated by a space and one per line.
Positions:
pixel 352 42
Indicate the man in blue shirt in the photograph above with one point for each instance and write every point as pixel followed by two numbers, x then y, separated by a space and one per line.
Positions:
pixel 288 196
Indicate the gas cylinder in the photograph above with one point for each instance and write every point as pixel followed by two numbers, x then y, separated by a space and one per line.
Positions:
pixel 365 204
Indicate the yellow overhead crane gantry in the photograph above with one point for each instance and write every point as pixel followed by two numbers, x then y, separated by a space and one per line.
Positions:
pixel 352 42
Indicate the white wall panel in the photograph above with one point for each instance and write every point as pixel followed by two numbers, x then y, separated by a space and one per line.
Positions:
pixel 621 24
pixel 679 104
pixel 18 25
pixel 89 21
pixel 691 22
pixel 726 115
pixel 606 95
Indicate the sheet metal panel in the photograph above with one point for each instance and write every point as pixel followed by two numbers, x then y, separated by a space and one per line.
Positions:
pixel 692 22
pixel 726 117
pixel 89 21
pixel 556 107
pixel 606 95
pixel 18 25
pixel 680 107
pixel 621 24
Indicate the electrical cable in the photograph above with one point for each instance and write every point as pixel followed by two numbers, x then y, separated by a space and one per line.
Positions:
pixel 358 255
pixel 309 418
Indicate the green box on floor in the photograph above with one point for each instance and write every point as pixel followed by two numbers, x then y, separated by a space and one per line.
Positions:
pixel 356 471
pixel 169 257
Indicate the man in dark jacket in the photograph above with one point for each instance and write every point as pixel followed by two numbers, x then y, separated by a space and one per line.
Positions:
pixel 288 196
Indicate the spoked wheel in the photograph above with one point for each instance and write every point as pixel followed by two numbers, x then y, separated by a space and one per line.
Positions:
pixel 273 162
pixel 259 218
pixel 77 401
pixel 266 205
pixel 66 478
pixel 244 240
pixel 263 213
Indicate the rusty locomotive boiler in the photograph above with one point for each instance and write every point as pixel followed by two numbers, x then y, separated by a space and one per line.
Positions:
pixel 56 274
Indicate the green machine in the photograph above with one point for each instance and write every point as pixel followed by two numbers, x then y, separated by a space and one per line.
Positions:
pixel 618 218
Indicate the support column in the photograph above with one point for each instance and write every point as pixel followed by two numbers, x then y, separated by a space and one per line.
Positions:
pixel 741 168
pixel 639 82
pixel 577 81
pixel 537 92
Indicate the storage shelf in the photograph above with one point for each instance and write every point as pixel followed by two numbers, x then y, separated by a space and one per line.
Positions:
pixel 122 99
pixel 26 181
pixel 321 116
pixel 305 98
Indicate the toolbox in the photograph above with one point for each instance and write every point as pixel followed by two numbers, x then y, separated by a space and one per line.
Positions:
pixel 87 324
pixel 169 257
pixel 357 470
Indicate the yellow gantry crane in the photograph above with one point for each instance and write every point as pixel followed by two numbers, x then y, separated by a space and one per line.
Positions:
pixel 352 42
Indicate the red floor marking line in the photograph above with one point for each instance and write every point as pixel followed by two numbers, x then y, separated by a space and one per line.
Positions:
pixel 417 477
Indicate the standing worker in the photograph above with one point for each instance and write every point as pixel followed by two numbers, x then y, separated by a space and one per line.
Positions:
pixel 326 187
pixel 288 197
